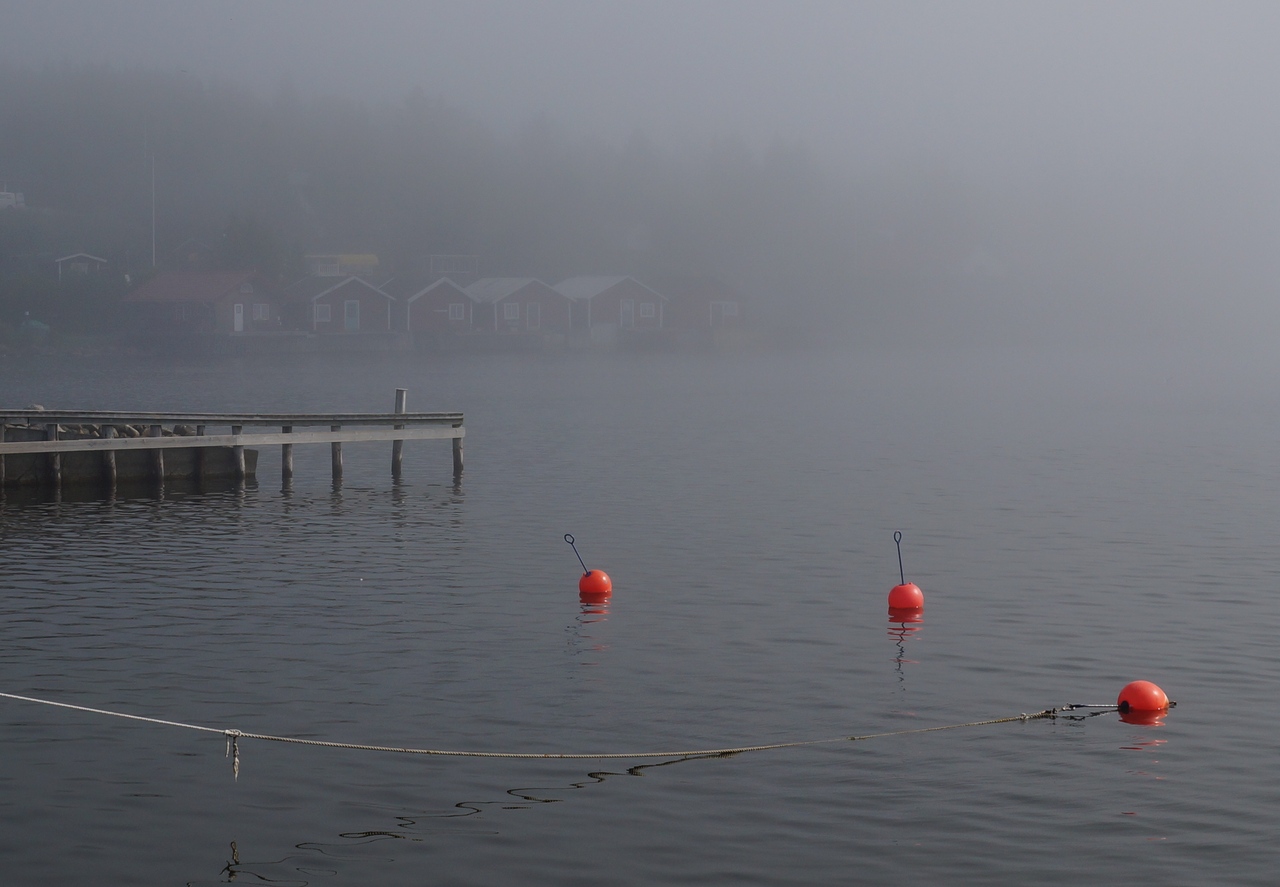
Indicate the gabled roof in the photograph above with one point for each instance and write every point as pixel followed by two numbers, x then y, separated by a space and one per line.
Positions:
pixel 189 286
pixel 441 284
pixel 583 289
pixel 495 289
pixel 406 289
pixel 308 289
pixel 81 256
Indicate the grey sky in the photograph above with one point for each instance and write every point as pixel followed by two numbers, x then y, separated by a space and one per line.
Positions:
pixel 1010 87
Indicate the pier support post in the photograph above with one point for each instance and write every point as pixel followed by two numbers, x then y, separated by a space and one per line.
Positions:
pixel 457 455
pixel 397 446
pixel 2 427
pixel 157 456
pixel 199 461
pixel 237 453
pixel 55 460
pixel 109 458
pixel 286 456
pixel 337 454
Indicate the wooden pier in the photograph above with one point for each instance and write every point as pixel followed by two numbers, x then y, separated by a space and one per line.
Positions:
pixel 36 445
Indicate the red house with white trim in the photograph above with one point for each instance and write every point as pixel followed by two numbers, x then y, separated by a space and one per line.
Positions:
pixel 606 305
pixel 343 306
pixel 440 307
pixel 698 303
pixel 208 302
pixel 518 305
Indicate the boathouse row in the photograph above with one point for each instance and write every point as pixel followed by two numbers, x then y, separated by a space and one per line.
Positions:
pixel 602 309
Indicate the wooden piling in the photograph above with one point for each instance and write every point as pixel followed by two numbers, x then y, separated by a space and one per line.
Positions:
pixel 237 454
pixel 337 454
pixel 2 427
pixel 55 460
pixel 286 456
pixel 157 456
pixel 109 458
pixel 397 446
pixel 199 467
pixel 457 455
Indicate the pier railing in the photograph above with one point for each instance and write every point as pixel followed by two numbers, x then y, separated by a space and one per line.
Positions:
pixel 110 432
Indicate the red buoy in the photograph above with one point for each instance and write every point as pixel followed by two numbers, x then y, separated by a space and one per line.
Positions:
pixel 906 596
pixel 595 585
pixel 1142 696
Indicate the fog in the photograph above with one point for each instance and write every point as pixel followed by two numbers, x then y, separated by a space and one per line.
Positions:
pixel 971 172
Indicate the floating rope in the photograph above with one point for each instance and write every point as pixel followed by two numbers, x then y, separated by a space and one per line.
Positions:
pixel 234 736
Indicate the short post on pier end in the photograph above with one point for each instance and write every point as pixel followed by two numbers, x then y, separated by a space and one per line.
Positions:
pixel 199 467
pixel 237 452
pixel 157 455
pixel 55 459
pixel 2 427
pixel 337 454
pixel 286 456
pixel 457 454
pixel 397 446
pixel 109 458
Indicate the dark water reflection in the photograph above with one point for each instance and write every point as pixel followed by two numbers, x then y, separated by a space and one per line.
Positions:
pixel 588 638
pixel 1074 528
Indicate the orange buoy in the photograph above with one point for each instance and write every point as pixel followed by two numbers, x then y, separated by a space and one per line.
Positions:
pixel 906 595
pixel 1142 696
pixel 594 585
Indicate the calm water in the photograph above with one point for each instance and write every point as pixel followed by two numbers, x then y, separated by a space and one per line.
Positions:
pixel 1077 521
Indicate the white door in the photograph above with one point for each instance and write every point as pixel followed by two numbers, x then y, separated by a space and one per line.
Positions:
pixel 237 317
pixel 351 316
pixel 533 315
pixel 628 319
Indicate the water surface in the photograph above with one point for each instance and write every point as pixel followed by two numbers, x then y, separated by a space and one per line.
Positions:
pixel 1076 521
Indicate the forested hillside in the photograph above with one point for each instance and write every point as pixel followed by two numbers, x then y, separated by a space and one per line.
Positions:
pixel 262 180
pixel 258 180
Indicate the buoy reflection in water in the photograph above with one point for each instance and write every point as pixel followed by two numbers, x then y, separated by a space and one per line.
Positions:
pixel 1144 718
pixel 585 631
pixel 903 626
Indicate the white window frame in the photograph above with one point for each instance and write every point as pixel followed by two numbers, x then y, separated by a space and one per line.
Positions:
pixel 322 313
pixel 457 311
pixel 261 311
pixel 511 311
pixel 648 310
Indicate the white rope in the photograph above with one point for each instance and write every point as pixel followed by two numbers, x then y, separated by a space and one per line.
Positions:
pixel 233 737
pixel 114 714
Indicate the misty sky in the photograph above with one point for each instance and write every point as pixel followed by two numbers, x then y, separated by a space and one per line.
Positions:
pixel 1015 88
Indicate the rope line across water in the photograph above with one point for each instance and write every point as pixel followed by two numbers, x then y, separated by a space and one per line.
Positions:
pixel 233 737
